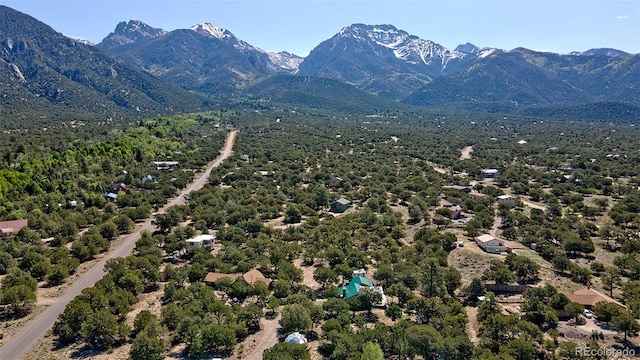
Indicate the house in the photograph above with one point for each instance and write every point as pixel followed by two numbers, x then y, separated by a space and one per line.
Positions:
pixel 201 241
pixel 244 157
pixel 251 277
pixel 10 228
pixel 589 297
pixel 490 244
pixel 341 205
pixel 335 181
pixel 354 286
pixel 567 167
pixel 267 173
pixel 477 195
pixel 112 197
pixel 212 277
pixel 357 284
pixel 507 199
pixel 254 275
pixel 490 173
pixel 165 165
pixel 456 212
pixel 359 272
pixel 120 187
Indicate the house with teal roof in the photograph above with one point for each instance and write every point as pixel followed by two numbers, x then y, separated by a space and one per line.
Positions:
pixel 356 285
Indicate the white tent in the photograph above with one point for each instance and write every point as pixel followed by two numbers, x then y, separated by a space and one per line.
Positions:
pixel 296 338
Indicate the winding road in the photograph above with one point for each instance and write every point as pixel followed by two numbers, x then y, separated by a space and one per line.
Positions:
pixel 26 338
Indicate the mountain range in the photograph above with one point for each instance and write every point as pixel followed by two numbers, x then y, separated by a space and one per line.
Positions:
pixel 139 70
pixel 386 61
pixel 46 75
pixel 204 58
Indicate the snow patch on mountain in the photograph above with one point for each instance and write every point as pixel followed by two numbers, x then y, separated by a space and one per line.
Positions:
pixel 483 53
pixel 602 51
pixel 285 60
pixel 212 30
pixel 279 62
pixel 85 42
pixel 409 48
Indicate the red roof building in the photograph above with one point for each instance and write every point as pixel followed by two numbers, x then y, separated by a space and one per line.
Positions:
pixel 588 297
pixel 10 228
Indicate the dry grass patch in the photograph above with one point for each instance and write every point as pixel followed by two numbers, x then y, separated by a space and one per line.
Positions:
pixel 470 263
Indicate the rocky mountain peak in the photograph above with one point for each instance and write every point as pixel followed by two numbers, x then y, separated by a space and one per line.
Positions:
pixel 467 48
pixel 130 32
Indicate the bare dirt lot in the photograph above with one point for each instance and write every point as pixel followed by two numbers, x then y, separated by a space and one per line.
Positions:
pixel 466 153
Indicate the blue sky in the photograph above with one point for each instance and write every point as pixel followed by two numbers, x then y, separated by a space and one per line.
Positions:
pixel 298 26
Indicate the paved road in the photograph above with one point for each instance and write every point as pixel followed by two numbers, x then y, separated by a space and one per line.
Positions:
pixel 22 342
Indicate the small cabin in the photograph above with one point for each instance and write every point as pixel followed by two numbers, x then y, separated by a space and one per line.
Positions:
pixel 341 205
pixel 111 197
pixel 490 173
pixel 507 199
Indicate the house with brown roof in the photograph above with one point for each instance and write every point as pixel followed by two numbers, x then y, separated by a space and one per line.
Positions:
pixel 588 298
pixel 10 228
pixel 120 187
pixel 212 277
pixel 477 195
pixel 251 277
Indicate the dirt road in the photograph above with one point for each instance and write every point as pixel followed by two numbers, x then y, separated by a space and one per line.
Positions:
pixel 534 205
pixel 22 341
pixel 497 222
pixel 263 340
pixel 437 168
